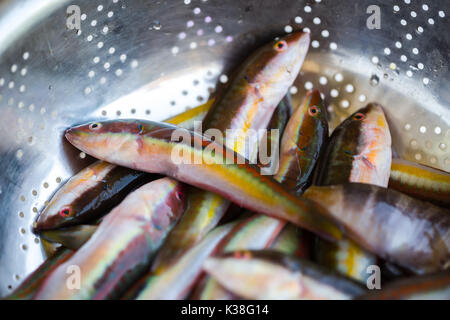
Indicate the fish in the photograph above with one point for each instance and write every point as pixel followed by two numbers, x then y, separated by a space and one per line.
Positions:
pixel 302 143
pixel 30 285
pixel 176 281
pixel 70 237
pixel 148 146
pixel 90 194
pixel 257 232
pixel 119 252
pixel 420 181
pixel 400 229
pixel 246 103
pixel 272 275
pixel 95 190
pixel 434 286
pixel 359 151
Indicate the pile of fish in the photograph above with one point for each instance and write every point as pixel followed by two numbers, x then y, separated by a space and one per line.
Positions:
pixel 138 225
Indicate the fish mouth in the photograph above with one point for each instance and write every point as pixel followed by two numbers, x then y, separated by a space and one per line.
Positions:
pixel 42 224
pixel 74 136
pixel 70 134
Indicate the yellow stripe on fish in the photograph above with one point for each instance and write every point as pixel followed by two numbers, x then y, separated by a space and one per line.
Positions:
pixel 420 181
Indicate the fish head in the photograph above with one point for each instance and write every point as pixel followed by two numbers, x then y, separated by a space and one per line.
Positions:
pixel 365 128
pixel 316 106
pixel 118 141
pixel 359 149
pixel 289 52
pixel 71 201
pixel 372 114
pixel 368 145
pixel 277 64
pixel 307 128
pixel 315 113
pixel 375 127
pixel 59 212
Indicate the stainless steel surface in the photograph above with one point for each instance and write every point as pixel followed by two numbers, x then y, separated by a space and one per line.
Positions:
pixel 153 59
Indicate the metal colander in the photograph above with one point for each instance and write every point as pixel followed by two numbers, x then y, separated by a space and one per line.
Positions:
pixel 154 59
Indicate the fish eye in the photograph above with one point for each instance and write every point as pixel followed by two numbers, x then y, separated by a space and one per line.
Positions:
pixel 313 111
pixel 65 212
pixel 280 45
pixel 359 116
pixel 95 126
pixel 179 195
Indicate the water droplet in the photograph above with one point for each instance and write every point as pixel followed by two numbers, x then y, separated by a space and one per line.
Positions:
pixel 374 80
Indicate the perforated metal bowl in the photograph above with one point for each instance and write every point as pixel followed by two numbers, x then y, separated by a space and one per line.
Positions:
pixel 153 59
